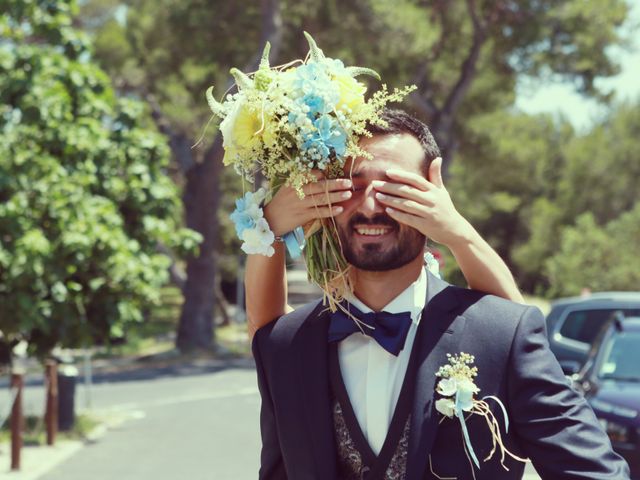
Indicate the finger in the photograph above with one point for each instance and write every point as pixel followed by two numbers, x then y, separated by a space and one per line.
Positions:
pixel 399 190
pixel 435 172
pixel 407 206
pixel 418 181
pixel 321 199
pixel 326 212
pixel 323 186
pixel 406 218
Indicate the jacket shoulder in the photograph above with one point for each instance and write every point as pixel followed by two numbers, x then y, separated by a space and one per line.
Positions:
pixel 490 311
pixel 284 328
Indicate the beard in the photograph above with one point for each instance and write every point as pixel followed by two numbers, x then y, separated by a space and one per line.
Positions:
pixel 375 256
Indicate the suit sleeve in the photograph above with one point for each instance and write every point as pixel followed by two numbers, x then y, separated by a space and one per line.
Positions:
pixel 271 462
pixel 554 424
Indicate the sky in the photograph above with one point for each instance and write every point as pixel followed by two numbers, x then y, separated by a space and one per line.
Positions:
pixel 561 98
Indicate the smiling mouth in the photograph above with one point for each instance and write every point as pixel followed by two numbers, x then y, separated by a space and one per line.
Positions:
pixel 373 231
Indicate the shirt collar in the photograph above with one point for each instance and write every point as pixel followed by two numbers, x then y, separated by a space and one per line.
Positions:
pixel 412 299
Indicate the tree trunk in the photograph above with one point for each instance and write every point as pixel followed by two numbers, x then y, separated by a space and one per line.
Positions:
pixel 201 200
pixel 442 117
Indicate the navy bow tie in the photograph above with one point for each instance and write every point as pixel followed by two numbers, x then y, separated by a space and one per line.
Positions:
pixel 388 329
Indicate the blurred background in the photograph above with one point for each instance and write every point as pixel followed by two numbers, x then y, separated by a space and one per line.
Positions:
pixel 119 265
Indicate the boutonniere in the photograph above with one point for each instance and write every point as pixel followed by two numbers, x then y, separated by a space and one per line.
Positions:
pixel 458 390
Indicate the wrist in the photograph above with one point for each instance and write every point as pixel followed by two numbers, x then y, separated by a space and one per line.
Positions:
pixel 464 236
pixel 272 221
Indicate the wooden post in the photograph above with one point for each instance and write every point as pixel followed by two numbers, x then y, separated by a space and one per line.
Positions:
pixel 51 413
pixel 17 382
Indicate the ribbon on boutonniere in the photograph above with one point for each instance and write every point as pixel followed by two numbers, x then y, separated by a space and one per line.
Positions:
pixel 458 400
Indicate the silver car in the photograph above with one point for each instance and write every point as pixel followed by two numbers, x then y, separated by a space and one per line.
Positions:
pixel 573 323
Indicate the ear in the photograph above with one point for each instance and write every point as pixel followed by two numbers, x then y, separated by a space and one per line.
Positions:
pixel 435 172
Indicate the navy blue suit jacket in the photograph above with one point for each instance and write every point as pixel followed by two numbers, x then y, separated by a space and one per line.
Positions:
pixel 550 423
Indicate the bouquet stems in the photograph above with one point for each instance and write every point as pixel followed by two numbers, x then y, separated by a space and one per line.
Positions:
pixel 326 265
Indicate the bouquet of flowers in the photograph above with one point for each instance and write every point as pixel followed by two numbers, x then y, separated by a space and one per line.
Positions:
pixel 285 122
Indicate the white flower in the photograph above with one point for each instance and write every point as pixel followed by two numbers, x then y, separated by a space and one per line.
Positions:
pixel 258 240
pixel 446 406
pixel 226 126
pixel 447 386
pixel 464 395
pixel 252 203
pixel 432 264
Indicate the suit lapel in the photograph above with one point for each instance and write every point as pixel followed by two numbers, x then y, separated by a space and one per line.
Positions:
pixel 312 358
pixel 440 334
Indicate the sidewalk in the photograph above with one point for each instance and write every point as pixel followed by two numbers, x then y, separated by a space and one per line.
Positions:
pixel 36 461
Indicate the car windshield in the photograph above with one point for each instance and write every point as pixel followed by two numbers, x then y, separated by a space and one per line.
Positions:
pixel 621 357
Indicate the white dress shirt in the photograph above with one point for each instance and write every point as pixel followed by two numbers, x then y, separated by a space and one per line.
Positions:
pixel 372 376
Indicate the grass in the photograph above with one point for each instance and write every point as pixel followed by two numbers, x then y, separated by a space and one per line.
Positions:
pixel 542 303
pixel 34 433
pixel 156 335
pixel 233 338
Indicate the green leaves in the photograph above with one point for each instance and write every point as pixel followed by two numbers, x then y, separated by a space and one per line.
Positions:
pixel 84 194
pixel 315 52
pixel 356 71
pixel 215 106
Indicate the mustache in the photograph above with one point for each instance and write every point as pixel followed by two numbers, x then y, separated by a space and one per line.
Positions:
pixel 379 219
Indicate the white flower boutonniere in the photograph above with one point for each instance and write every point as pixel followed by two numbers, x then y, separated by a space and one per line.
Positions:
pixel 458 390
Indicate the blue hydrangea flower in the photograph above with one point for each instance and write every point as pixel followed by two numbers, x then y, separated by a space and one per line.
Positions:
pixel 327 137
pixel 317 105
pixel 247 211
pixel 311 77
pixel 242 221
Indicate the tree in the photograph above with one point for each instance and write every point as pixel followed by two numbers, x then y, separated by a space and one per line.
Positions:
pixel 465 56
pixel 531 198
pixel 508 187
pixel 597 257
pixel 84 194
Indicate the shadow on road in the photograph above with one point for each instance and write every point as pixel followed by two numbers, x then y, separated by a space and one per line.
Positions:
pixel 136 370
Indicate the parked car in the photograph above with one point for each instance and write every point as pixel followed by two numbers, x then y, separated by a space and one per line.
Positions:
pixel 573 323
pixel 610 381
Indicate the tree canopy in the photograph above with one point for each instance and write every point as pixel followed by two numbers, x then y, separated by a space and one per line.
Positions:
pixel 85 198
pixel 560 207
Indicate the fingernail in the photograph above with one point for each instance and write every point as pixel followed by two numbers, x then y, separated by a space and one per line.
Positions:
pixel 381 196
pixel 346 194
pixel 338 209
pixel 389 210
pixel 377 183
pixel 346 183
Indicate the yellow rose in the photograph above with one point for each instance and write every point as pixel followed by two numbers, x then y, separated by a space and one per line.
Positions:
pixel 351 92
pixel 245 127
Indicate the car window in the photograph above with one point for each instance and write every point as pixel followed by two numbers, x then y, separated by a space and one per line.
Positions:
pixel 555 313
pixel 621 357
pixel 584 325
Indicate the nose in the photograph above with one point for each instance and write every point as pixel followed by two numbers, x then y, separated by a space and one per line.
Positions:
pixel 370 206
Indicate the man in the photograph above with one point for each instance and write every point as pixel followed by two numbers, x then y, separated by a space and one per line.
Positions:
pixel 344 399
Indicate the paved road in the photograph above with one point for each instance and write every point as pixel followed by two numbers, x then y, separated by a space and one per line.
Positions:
pixel 191 423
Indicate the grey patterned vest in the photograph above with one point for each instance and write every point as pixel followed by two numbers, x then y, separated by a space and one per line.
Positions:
pixel 355 458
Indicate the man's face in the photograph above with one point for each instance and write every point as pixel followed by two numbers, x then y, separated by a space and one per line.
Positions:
pixel 371 239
